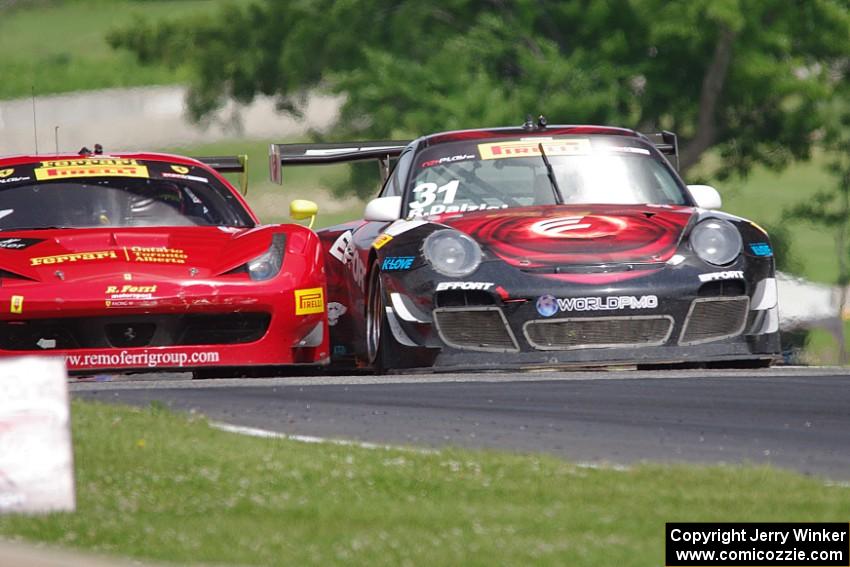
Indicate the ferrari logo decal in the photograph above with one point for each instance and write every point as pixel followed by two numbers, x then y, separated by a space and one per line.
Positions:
pixel 6 172
pixel 17 304
pixel 76 257
pixel 309 301
pixel 180 169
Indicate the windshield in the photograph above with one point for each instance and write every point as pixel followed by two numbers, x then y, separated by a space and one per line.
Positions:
pixel 476 175
pixel 156 194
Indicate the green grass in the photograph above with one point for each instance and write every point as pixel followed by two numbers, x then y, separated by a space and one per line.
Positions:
pixel 153 485
pixel 57 47
pixel 764 195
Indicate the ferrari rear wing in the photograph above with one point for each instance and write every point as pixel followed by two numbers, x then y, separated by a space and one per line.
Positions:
pixel 666 143
pixel 340 152
pixel 230 164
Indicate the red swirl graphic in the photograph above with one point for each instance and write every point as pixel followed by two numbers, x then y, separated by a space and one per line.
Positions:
pixel 538 237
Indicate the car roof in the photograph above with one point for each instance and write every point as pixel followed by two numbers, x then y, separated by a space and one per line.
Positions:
pixel 555 130
pixel 148 156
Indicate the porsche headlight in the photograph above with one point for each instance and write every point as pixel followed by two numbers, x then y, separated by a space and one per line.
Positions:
pixel 716 241
pixel 268 265
pixel 451 253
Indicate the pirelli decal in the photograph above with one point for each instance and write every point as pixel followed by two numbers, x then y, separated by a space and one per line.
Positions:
pixel 309 301
pixel 528 148
pixel 104 167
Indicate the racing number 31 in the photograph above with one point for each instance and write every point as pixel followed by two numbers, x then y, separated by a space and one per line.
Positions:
pixel 426 194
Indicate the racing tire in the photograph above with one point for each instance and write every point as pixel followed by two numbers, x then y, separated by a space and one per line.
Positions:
pixel 383 351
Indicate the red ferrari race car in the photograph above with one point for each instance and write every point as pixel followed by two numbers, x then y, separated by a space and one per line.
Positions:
pixel 135 262
pixel 542 246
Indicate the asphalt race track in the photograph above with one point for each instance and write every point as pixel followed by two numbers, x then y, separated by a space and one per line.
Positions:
pixel 797 418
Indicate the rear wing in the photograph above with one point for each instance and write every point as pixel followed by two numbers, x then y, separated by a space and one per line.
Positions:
pixel 666 143
pixel 230 164
pixel 341 152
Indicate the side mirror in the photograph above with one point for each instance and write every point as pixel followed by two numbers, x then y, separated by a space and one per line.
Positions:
pixel 383 209
pixel 705 196
pixel 300 209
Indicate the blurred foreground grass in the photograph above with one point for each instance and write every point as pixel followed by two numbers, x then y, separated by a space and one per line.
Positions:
pixel 158 486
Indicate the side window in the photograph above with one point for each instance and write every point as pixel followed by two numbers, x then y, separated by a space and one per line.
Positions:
pixel 394 187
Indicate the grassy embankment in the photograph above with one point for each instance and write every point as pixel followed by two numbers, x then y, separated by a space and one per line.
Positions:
pixel 158 486
pixel 57 47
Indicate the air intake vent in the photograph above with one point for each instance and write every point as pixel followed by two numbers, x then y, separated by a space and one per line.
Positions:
pixel 601 332
pixel 475 328
pixel 713 319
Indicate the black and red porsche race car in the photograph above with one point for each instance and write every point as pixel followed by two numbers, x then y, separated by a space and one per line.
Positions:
pixel 141 261
pixel 542 245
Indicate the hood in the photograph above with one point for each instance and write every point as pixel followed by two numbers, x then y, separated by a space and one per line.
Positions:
pixel 82 254
pixel 561 235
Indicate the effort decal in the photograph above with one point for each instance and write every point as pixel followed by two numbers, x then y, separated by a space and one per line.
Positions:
pixel 718 276
pixel 470 286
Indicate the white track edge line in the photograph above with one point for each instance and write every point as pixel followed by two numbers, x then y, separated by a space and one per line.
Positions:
pixel 265 433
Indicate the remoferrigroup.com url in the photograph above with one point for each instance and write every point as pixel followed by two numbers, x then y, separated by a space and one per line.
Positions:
pixel 757 544
pixel 136 359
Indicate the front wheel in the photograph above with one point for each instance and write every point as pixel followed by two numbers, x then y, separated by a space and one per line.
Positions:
pixel 378 334
pixel 382 350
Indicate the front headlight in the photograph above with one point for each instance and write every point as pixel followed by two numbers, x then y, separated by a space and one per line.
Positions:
pixel 268 265
pixel 452 253
pixel 716 241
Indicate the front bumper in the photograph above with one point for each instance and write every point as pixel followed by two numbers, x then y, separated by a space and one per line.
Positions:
pixel 665 315
pixel 179 327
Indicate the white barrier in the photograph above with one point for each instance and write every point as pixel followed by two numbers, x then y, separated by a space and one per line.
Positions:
pixel 36 459
pixel 143 118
